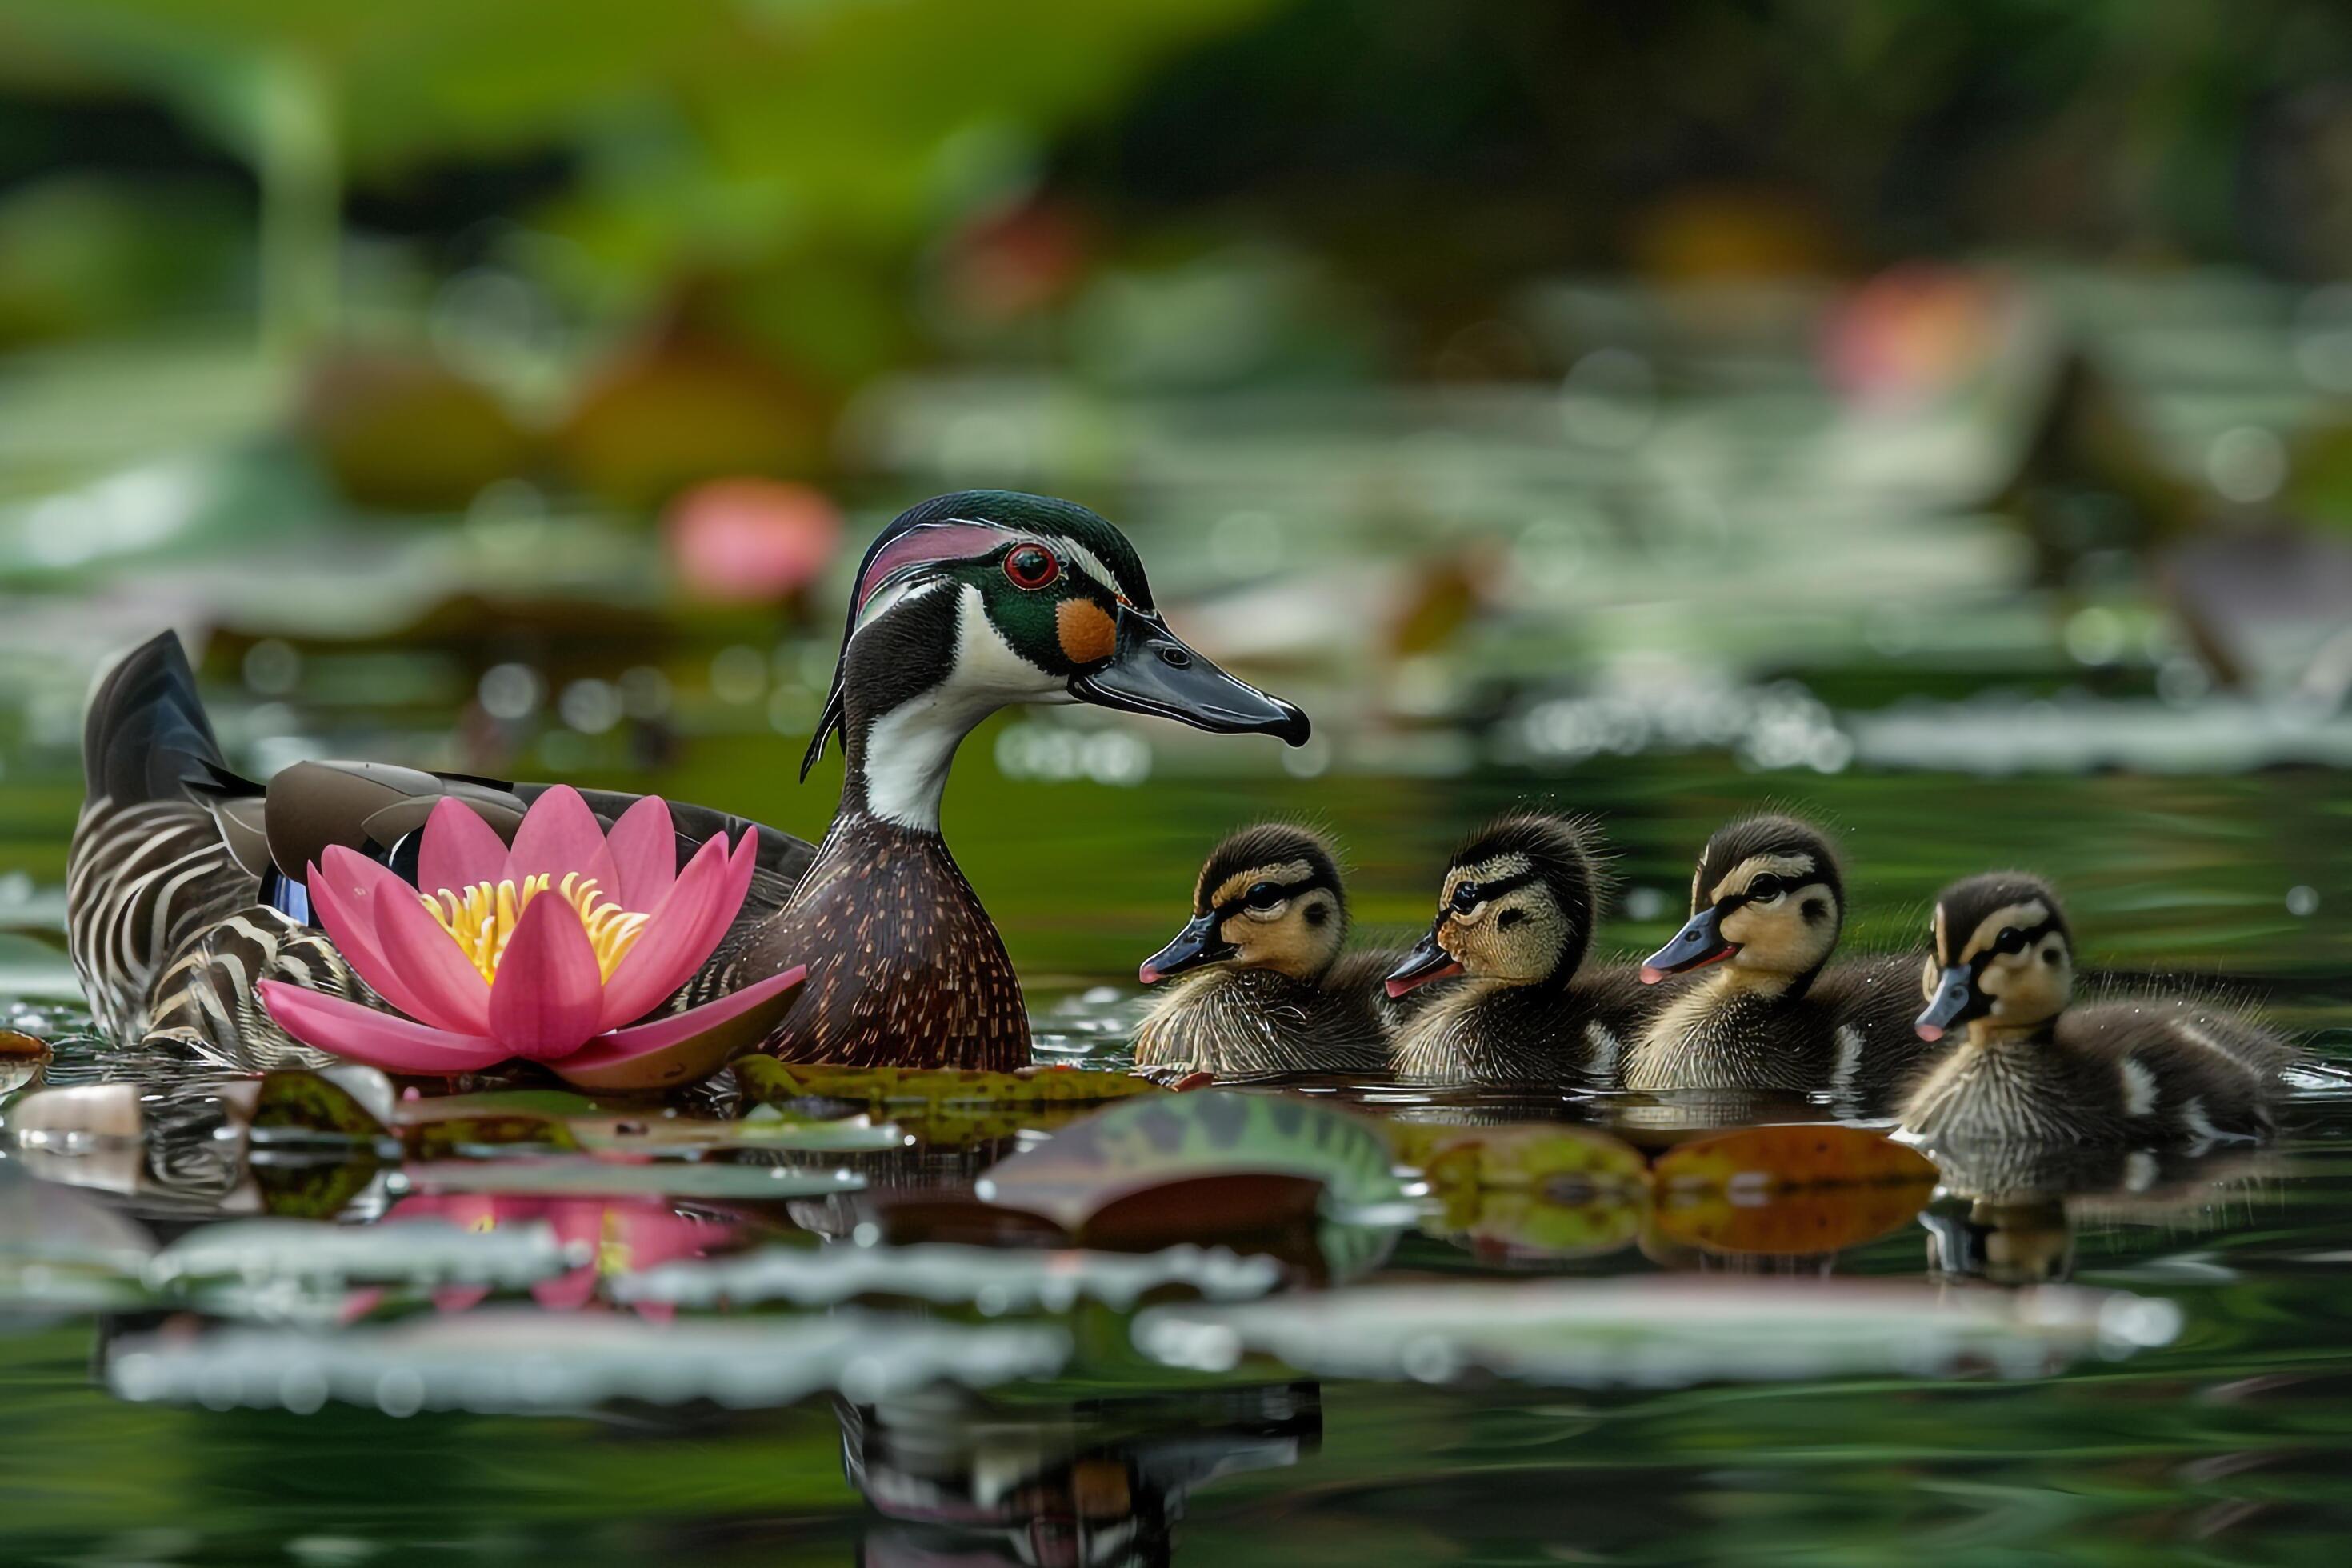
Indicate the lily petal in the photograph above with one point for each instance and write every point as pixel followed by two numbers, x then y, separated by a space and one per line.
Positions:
pixel 459 849
pixel 449 993
pixel 644 844
pixel 363 1034
pixel 560 834
pixel 685 1046
pixel 679 934
pixel 548 993
pixel 342 896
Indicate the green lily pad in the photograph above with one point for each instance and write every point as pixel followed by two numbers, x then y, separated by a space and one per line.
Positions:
pixel 1210 1133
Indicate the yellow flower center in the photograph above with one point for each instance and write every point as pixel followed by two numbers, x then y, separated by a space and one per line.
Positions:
pixel 482 919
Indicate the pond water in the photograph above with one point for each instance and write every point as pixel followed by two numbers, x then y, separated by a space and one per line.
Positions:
pixel 2222 1434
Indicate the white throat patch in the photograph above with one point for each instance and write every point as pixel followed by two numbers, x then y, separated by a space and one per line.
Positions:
pixel 910 749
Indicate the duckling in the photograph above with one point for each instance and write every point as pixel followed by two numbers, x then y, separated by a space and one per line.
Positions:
pixel 1768 904
pixel 184 882
pixel 1514 918
pixel 2032 1069
pixel 1265 987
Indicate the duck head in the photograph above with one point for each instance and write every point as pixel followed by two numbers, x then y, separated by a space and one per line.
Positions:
pixel 1767 900
pixel 1268 898
pixel 974 601
pixel 2003 961
pixel 1517 907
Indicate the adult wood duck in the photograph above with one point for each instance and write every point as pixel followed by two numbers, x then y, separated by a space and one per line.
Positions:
pixel 1264 982
pixel 1768 904
pixel 1514 920
pixel 2029 1068
pixel 184 881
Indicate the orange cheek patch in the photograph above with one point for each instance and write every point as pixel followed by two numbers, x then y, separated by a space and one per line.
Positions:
pixel 1087 632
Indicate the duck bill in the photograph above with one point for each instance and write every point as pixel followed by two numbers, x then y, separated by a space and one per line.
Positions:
pixel 1954 1003
pixel 1426 962
pixel 1196 944
pixel 1700 944
pixel 1152 671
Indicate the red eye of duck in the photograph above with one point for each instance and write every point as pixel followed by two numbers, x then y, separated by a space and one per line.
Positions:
pixel 1031 566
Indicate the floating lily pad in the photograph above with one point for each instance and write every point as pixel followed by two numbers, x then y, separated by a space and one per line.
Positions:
pixel 590 1177
pixel 1552 1157
pixel 1807 1188
pixel 769 1081
pixel 765 1128
pixel 1126 1150
pixel 996 1280
pixel 509 1359
pixel 1504 1225
pixel 23 1060
pixel 1663 1332
pixel 60 1251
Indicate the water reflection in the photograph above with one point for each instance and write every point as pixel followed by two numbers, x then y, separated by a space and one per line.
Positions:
pixel 957 1479
pixel 2013 1216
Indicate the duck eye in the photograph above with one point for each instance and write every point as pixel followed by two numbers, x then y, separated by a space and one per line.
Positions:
pixel 1263 896
pixel 1031 566
pixel 1764 890
pixel 2010 941
pixel 1467 897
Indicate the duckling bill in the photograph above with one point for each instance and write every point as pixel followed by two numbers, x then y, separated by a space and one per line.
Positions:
pixel 1773 1013
pixel 1514 921
pixel 1263 983
pixel 2026 1066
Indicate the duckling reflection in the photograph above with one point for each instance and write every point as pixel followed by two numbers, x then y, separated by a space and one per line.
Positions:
pixel 1514 918
pixel 1098 1482
pixel 2031 1068
pixel 2011 1218
pixel 1265 986
pixel 1767 903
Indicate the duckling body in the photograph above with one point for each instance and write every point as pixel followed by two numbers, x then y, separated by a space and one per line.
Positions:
pixel 186 884
pixel 2031 1069
pixel 1514 918
pixel 1773 1012
pixel 1263 983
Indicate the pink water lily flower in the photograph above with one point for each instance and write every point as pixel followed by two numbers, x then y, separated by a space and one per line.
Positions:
pixel 550 951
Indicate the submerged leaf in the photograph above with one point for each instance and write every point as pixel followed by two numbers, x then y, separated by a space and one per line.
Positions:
pixel 1660 1332
pixel 996 1280
pixel 507 1360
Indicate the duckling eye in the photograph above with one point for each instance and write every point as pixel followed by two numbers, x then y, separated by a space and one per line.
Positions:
pixel 2010 941
pixel 1263 896
pixel 1031 566
pixel 1765 889
pixel 1468 897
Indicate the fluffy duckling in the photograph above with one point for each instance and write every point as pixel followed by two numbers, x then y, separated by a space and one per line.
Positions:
pixel 1265 986
pixel 1514 918
pixel 2029 1068
pixel 1768 904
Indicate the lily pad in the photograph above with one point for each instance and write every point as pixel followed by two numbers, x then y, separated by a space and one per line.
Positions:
pixel 1546 1157
pixel 769 1081
pixel 765 1128
pixel 60 1251
pixel 23 1060
pixel 585 1177
pixel 996 1280
pixel 512 1359
pixel 1660 1332
pixel 1807 1188
pixel 1127 1149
